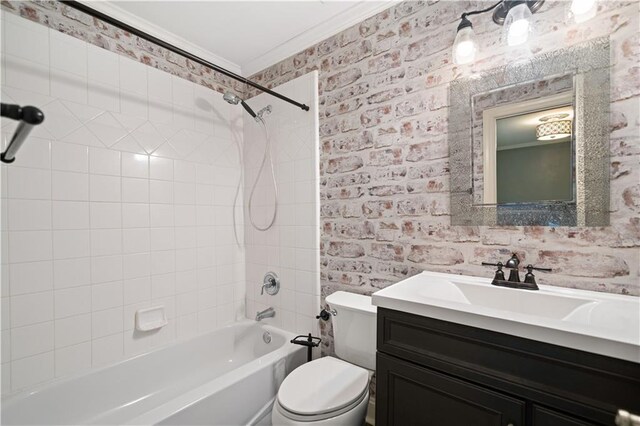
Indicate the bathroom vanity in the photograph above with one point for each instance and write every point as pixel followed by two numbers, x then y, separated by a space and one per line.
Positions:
pixel 455 350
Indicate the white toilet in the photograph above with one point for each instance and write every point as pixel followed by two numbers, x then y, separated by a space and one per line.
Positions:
pixel 332 391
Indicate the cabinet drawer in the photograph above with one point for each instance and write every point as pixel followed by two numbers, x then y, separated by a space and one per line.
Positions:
pixel 409 395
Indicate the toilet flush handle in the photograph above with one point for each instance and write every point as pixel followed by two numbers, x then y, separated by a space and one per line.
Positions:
pixel 324 315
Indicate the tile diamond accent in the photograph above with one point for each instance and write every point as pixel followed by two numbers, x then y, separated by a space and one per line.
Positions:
pixel 107 129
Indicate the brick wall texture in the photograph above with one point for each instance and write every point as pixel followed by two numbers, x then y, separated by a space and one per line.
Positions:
pixel 384 154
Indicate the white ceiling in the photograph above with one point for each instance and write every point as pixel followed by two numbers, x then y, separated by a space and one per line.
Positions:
pixel 244 36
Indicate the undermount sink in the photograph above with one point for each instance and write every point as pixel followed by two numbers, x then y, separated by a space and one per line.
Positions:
pixel 591 321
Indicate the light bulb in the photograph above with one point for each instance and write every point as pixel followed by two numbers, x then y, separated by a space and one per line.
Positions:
pixel 583 10
pixel 517 25
pixel 464 46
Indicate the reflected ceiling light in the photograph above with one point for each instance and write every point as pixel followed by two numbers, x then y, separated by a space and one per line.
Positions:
pixel 553 127
pixel 583 10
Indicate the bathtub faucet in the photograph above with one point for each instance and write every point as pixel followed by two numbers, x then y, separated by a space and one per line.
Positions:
pixel 267 313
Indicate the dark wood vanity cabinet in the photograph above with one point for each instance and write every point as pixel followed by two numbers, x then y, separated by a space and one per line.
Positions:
pixel 432 372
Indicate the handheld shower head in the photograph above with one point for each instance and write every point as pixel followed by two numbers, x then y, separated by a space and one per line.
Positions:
pixel 234 99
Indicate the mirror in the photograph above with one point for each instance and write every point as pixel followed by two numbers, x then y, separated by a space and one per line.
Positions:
pixel 529 142
pixel 523 143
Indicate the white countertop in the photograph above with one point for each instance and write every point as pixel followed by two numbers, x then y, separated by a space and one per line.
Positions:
pixel 600 323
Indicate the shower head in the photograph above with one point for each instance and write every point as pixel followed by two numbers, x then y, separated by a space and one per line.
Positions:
pixel 234 99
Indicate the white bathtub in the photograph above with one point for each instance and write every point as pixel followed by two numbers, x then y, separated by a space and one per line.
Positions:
pixel 226 377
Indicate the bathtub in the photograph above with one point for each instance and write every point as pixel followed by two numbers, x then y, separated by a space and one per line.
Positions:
pixel 227 377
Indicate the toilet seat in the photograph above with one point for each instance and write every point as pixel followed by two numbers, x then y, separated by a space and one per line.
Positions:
pixel 322 389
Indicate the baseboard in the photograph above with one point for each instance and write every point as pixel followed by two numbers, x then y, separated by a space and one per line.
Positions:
pixel 371 412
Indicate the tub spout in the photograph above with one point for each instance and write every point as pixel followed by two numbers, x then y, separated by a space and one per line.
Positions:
pixel 267 313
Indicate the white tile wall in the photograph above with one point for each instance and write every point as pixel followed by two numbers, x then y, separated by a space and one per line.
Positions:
pixel 118 201
pixel 291 247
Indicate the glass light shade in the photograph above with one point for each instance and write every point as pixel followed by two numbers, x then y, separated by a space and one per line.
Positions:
pixel 583 10
pixel 517 25
pixel 464 46
pixel 553 130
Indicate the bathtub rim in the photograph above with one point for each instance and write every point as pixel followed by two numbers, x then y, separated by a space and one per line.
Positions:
pixel 14 398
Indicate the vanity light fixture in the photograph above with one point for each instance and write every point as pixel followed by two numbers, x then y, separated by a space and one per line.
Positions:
pixel 515 15
pixel 583 10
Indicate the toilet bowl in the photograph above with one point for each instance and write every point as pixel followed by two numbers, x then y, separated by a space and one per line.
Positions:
pixel 329 390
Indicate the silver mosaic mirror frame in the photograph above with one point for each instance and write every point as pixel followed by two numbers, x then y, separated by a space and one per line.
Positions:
pixel 590 64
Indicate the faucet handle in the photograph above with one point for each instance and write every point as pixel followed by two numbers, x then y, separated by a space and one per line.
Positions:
pixel 499 276
pixel 529 278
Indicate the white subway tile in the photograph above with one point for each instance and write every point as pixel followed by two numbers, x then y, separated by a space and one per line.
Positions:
pixel 106 215
pixel 133 76
pixel 102 66
pixel 162 239
pixel 26 39
pixel 159 83
pixel 107 350
pixel 161 191
pixel 70 215
pixel 31 308
pixel 163 262
pixel 135 190
pixel 136 240
pixel 30 371
pixel 106 268
pixel 29 215
pixel 71 272
pixel 26 75
pixel 137 290
pixel 68 54
pixel 160 168
pixel 70 244
pixel 29 246
pixel 72 330
pixel 105 242
pixel 29 183
pixel 163 286
pixel 136 265
pixel 68 86
pixel 135 165
pixel 72 359
pixel 106 322
pixel 104 161
pixel 161 215
pixel 31 340
pixel 30 277
pixel 106 295
pixel 103 96
pixel 104 188
pixel 72 301
pixel 135 215
pixel 69 186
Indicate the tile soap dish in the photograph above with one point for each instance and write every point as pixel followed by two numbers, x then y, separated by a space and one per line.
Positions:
pixel 150 318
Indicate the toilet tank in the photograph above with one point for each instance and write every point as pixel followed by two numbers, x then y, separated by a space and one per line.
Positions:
pixel 354 328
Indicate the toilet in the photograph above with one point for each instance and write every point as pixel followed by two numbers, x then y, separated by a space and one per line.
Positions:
pixel 329 390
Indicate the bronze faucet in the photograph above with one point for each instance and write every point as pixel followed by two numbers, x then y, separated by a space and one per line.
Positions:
pixel 514 275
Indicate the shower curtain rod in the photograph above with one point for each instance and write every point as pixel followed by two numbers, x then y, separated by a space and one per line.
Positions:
pixel 126 27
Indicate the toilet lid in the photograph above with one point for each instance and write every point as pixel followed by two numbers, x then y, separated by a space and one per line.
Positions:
pixel 322 386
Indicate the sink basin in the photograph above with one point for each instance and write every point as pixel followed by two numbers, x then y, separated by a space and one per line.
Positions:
pixel 505 299
pixel 595 322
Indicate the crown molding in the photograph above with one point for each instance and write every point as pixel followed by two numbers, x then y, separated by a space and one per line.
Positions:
pixel 109 8
pixel 350 17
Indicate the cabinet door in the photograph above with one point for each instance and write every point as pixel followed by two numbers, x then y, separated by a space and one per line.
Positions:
pixel 409 395
pixel 543 416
